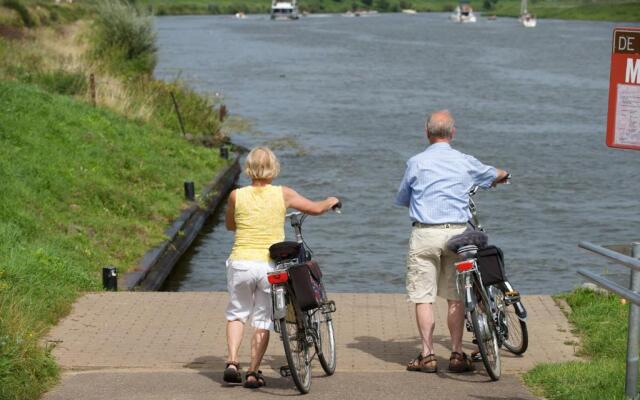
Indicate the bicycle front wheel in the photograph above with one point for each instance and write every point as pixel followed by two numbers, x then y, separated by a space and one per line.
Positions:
pixel 516 339
pixel 296 349
pixel 326 341
pixel 485 332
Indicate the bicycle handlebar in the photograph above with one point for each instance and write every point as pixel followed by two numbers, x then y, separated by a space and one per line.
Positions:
pixel 505 181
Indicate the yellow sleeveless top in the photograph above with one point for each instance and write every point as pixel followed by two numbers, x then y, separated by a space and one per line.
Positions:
pixel 259 216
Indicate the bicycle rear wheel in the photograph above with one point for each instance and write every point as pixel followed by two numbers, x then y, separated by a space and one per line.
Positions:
pixel 326 343
pixel 485 332
pixel 296 349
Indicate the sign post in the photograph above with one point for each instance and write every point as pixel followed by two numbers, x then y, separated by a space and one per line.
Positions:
pixel 623 121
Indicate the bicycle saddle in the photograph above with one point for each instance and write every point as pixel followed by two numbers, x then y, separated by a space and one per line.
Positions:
pixel 466 238
pixel 284 250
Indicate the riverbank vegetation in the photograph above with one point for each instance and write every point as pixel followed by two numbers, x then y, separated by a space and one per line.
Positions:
pixel 601 322
pixel 89 177
pixel 612 10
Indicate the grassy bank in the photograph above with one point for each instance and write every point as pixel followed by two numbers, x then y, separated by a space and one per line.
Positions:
pixel 611 10
pixel 601 323
pixel 86 181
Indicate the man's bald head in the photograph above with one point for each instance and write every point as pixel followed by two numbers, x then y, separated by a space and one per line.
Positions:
pixel 440 126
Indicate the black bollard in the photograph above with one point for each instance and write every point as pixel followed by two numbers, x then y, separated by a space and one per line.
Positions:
pixel 110 278
pixel 189 191
pixel 224 152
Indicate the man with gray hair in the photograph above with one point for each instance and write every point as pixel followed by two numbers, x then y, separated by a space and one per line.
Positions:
pixel 435 188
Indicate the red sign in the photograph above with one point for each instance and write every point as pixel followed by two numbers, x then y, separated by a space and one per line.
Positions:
pixel 623 121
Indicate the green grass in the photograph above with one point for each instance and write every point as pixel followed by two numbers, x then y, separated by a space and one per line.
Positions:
pixel 601 323
pixel 81 188
pixel 613 10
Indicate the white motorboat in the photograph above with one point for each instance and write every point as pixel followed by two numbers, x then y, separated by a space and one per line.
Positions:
pixel 409 11
pixel 284 10
pixel 527 19
pixel 463 13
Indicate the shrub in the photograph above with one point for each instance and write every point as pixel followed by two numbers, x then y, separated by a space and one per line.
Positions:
pixel 61 81
pixel 26 17
pixel 405 4
pixel 382 5
pixel 124 38
pixel 213 9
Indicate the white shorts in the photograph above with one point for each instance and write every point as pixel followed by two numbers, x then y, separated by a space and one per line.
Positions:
pixel 249 293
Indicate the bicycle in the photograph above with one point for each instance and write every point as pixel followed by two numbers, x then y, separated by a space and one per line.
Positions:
pixel 488 296
pixel 302 313
pixel 509 312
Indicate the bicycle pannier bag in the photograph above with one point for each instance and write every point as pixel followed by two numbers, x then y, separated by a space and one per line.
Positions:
pixel 306 280
pixel 491 265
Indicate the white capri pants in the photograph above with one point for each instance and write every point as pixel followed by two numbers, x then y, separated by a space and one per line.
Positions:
pixel 249 293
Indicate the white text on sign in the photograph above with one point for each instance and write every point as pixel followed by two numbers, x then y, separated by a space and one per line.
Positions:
pixel 633 71
pixel 626 43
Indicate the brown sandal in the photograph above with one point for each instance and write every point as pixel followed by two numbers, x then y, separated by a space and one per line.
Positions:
pixel 460 362
pixel 257 382
pixel 421 363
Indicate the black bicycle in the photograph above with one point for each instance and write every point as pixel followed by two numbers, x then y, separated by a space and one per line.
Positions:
pixel 302 313
pixel 493 309
pixel 508 309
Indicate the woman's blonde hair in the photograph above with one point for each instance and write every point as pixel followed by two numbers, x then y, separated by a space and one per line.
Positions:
pixel 261 164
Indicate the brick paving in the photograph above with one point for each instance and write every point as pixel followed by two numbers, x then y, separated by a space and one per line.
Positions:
pixel 374 333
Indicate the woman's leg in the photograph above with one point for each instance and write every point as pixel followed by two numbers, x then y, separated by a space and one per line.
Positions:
pixel 262 316
pixel 240 290
pixel 259 344
pixel 235 330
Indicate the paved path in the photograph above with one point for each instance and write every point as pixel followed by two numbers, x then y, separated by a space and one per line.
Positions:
pixel 131 345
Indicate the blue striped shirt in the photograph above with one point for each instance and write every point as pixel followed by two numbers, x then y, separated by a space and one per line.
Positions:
pixel 436 184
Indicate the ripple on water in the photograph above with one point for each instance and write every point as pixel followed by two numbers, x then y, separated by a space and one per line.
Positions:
pixel 353 97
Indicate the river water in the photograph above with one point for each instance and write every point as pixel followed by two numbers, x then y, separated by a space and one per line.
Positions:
pixel 343 101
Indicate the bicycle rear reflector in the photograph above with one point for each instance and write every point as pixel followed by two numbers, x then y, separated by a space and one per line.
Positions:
pixel 464 265
pixel 277 277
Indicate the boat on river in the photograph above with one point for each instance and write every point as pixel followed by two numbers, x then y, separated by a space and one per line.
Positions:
pixel 284 10
pixel 527 19
pixel 463 13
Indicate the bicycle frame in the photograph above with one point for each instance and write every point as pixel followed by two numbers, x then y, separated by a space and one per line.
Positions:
pixel 467 277
pixel 521 312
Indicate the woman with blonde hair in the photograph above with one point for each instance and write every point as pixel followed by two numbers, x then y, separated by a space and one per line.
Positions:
pixel 256 213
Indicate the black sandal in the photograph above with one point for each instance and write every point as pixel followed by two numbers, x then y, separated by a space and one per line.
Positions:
pixel 255 384
pixel 232 375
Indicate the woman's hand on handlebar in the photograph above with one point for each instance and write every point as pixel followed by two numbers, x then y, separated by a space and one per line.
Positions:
pixel 336 204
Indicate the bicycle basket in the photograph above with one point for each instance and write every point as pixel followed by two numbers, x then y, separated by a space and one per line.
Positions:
pixel 491 265
pixel 306 280
pixel 284 250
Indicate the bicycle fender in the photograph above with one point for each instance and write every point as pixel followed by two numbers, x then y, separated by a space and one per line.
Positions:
pixel 520 311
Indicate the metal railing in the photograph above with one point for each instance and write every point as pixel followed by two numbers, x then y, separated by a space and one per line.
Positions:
pixel 633 295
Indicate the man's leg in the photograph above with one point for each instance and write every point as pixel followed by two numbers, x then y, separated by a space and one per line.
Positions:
pixel 455 321
pixel 426 324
